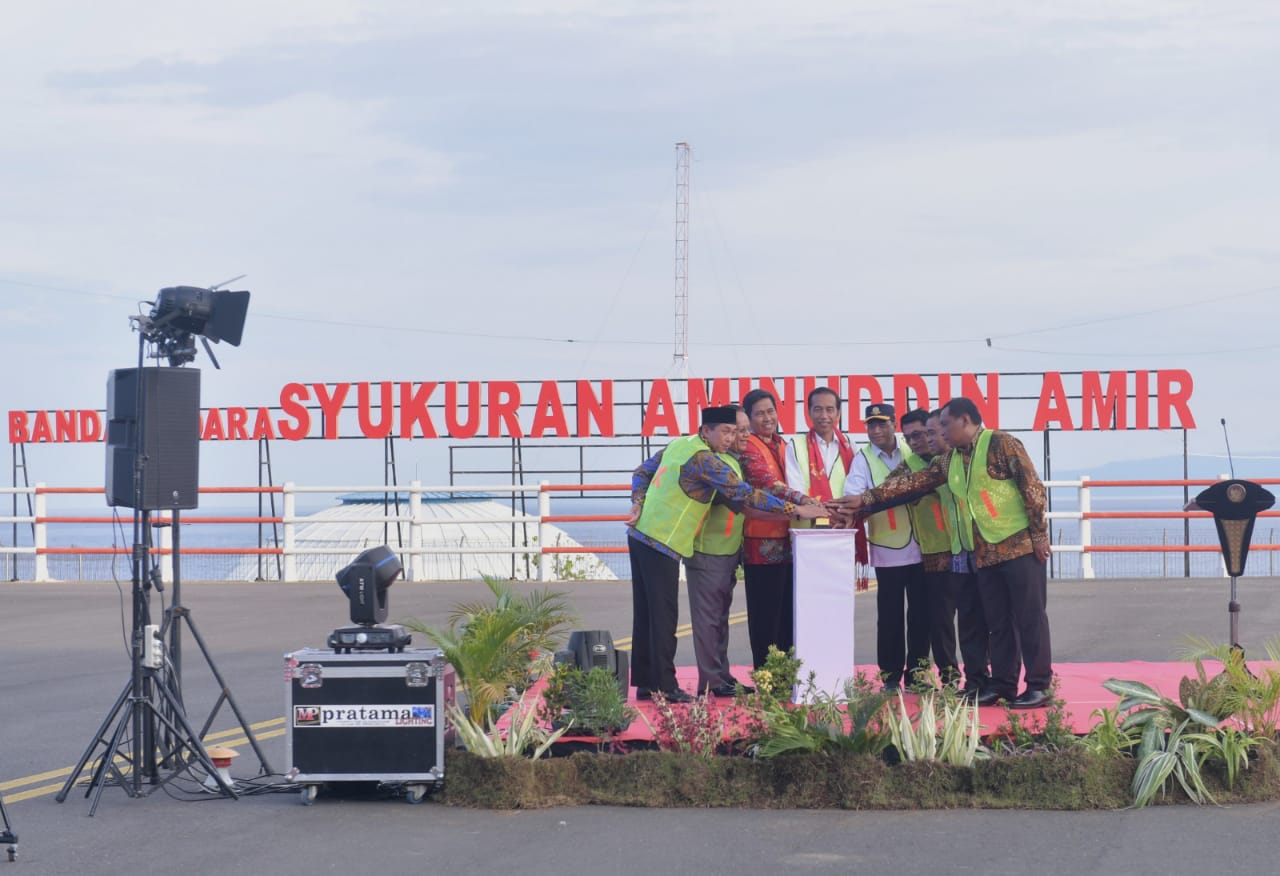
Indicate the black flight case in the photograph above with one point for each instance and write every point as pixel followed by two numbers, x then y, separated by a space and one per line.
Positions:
pixel 367 717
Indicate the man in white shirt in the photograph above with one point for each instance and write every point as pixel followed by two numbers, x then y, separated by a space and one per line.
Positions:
pixel 895 554
pixel 820 458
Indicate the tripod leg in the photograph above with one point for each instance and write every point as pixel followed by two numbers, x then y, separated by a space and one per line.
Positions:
pixel 180 727
pixel 107 764
pixel 7 836
pixel 99 738
pixel 226 694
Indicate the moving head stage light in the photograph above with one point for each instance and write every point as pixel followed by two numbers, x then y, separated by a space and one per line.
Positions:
pixel 365 581
pixel 181 312
pixel 589 649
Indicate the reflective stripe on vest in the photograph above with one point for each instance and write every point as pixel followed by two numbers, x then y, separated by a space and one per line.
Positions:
pixel 993 505
pixel 669 516
pixel 890 528
pixel 757 527
pixel 836 477
pixel 721 534
pixel 928 518
pixel 947 506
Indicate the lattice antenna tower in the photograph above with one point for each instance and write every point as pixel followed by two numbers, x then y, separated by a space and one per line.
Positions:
pixel 681 357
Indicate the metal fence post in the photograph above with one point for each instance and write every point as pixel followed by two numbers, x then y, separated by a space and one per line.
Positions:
pixel 290 509
pixel 544 529
pixel 415 531
pixel 166 553
pixel 40 535
pixel 1086 529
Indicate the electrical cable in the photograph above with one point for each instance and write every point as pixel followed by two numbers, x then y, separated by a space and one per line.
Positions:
pixel 904 341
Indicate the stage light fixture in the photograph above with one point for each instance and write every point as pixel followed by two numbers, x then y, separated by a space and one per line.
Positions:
pixel 591 649
pixel 182 313
pixel 215 314
pixel 365 581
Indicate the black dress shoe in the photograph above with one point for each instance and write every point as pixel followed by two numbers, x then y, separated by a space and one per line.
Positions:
pixel 729 691
pixel 677 696
pixel 1031 699
pixel 642 693
pixel 891 687
pixel 989 698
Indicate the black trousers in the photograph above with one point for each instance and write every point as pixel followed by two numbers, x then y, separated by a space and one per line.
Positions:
pixel 1013 600
pixel 971 625
pixel 655 614
pixel 896 653
pixel 942 624
pixel 771 608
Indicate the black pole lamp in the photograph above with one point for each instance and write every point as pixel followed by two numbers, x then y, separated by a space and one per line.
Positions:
pixel 1235 505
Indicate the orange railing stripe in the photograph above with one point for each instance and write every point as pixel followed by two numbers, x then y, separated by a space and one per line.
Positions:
pixel 211 551
pixel 161 521
pixel 1157 515
pixel 584 518
pixel 1168 548
pixel 53 491
pixel 574 488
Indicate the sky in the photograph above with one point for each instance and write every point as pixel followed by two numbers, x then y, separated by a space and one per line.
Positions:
pixel 486 191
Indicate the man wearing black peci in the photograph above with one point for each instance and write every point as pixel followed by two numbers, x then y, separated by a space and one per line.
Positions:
pixel 671 495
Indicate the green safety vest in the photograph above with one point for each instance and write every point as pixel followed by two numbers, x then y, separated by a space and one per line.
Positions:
pixel 929 520
pixel 950 515
pixel 800 444
pixel 721 534
pixel 994 506
pixel 890 528
pixel 669 516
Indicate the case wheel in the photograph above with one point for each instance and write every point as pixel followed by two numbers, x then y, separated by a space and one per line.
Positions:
pixel 415 794
pixel 308 794
pixel 13 852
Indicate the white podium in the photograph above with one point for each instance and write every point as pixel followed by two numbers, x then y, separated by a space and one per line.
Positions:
pixel 825 582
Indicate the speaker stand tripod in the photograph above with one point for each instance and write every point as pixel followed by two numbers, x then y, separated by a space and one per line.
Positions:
pixel 175 617
pixel 148 707
pixel 7 835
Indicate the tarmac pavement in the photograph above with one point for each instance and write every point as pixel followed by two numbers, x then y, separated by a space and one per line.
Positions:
pixel 63 662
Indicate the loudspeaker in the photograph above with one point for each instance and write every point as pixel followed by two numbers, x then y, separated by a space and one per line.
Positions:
pixel 588 649
pixel 153 435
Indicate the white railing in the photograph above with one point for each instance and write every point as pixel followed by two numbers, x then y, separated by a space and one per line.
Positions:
pixel 291 551
pixel 419 547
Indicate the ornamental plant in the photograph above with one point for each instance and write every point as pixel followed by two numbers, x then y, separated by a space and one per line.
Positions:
pixel 492 646
pixel 590 700
pixel 696 728
pixel 1249 695
pixel 1173 746
pixel 1108 737
pixel 775 681
pixel 946 731
pixel 855 722
pixel 524 735
pixel 1047 729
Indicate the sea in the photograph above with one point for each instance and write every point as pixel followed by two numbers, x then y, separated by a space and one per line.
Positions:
pixel 1065 564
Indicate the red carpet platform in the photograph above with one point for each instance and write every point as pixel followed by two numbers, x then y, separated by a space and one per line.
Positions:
pixel 1079 686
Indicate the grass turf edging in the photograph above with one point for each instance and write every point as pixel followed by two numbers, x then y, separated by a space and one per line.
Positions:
pixel 1071 779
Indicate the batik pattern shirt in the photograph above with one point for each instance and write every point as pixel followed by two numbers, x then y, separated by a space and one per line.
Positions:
pixel 703 477
pixel 1007 459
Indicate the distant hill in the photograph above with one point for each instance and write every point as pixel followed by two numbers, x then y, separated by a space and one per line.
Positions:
pixel 1247 465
